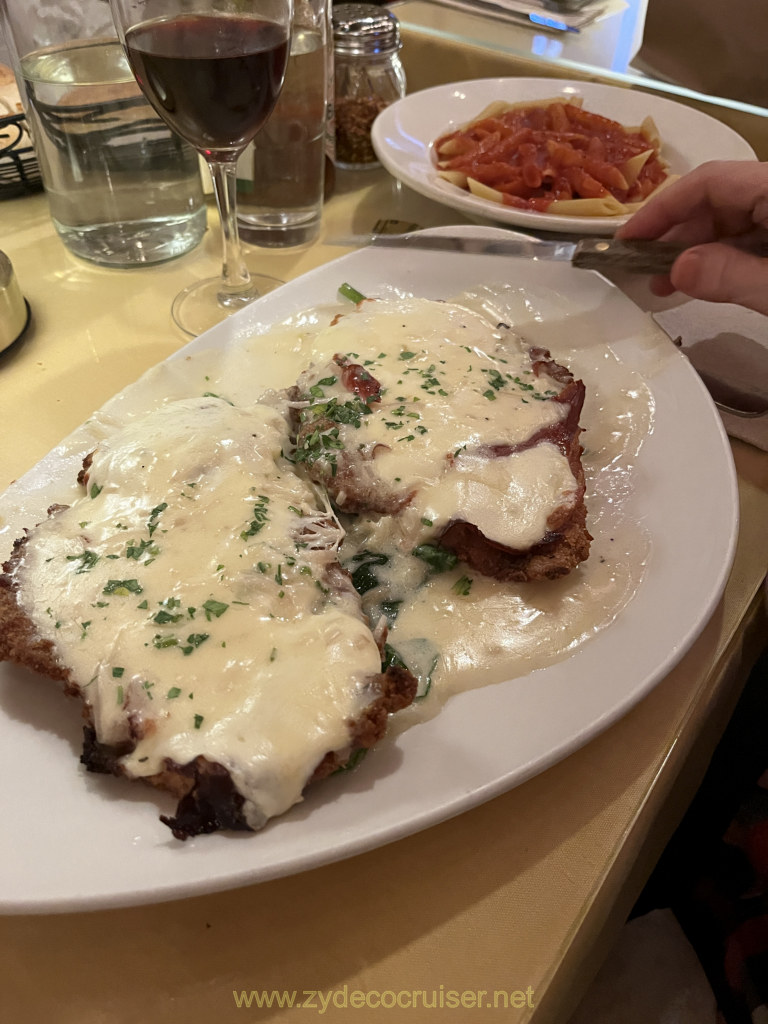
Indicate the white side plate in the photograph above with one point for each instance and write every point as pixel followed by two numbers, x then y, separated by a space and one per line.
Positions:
pixel 404 133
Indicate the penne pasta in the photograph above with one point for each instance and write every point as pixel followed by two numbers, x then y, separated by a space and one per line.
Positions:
pixel 606 206
pixel 651 132
pixel 552 155
pixel 457 178
pixel 477 188
pixel 631 207
pixel 632 168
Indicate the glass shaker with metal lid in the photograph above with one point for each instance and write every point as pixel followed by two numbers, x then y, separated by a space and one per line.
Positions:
pixel 368 77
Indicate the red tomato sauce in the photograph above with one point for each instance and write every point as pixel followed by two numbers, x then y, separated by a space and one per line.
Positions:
pixel 535 155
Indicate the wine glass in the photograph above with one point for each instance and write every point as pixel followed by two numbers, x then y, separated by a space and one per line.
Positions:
pixel 213 70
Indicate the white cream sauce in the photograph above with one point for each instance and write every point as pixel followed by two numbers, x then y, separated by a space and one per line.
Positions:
pixel 452 384
pixel 455 629
pixel 186 592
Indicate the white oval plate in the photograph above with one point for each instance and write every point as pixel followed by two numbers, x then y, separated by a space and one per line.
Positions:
pixel 404 133
pixel 75 841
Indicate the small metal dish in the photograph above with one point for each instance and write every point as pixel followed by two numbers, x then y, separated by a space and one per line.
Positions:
pixel 15 313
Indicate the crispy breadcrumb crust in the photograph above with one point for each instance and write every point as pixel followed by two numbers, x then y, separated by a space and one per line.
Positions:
pixel 208 800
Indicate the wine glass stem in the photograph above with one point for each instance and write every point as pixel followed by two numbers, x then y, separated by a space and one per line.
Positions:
pixel 235 279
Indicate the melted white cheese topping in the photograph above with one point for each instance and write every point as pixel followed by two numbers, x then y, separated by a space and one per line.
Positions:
pixel 455 632
pixel 186 592
pixel 508 498
pixel 452 385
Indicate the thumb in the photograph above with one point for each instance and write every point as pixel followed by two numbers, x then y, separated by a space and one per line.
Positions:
pixel 721 273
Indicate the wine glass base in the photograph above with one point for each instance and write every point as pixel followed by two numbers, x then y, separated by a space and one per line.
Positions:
pixel 200 307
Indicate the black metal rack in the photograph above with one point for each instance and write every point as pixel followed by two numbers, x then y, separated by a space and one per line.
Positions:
pixel 19 172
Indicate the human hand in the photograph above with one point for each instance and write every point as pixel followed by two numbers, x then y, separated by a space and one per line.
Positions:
pixel 714 208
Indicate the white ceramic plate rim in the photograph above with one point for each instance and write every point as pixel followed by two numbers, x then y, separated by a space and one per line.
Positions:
pixel 404 132
pixel 73 841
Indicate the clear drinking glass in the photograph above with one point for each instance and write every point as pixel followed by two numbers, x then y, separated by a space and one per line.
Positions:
pixel 123 190
pixel 213 70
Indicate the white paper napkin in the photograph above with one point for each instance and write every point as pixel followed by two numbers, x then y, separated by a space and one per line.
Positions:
pixel 728 343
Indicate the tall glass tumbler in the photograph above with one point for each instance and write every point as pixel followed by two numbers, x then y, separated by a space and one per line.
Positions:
pixel 281 176
pixel 123 189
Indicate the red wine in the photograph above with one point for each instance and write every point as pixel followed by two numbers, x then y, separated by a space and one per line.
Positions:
pixel 213 78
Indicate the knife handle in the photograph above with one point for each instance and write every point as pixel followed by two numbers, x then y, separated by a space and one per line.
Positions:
pixel 638 255
pixel 633 255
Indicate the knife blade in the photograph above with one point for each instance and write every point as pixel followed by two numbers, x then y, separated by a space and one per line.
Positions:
pixel 635 255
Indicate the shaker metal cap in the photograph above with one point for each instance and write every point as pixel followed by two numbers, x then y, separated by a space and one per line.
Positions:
pixel 364 29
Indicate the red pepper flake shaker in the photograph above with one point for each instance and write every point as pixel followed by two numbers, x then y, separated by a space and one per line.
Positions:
pixel 368 77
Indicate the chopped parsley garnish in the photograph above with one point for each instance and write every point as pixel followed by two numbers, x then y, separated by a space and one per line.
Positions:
pixel 95 490
pixel 161 642
pixel 350 412
pixel 163 617
pixel 173 693
pixel 122 588
pixel 438 559
pixel 495 379
pixel 214 609
pixel 260 517
pixel 87 561
pixel 193 641
pixel 317 445
pixel 212 394
pixel 117 672
pixel 198 721
pixel 462 586
pixel 153 516
pixel 136 550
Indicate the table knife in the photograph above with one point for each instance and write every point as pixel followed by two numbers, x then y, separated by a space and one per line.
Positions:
pixel 638 256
